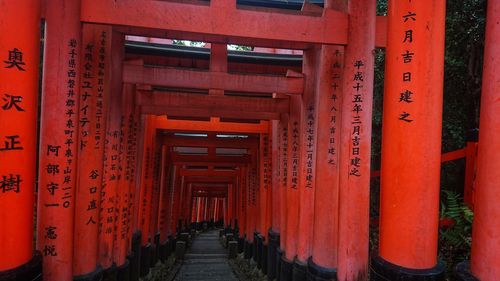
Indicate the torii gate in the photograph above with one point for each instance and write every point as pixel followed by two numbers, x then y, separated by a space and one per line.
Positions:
pixel 106 192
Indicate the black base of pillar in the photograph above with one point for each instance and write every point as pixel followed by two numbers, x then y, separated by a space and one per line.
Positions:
pixel 135 257
pixel 299 272
pixel 462 272
pixel 171 249
pixel 260 244
pixel 164 251
pixel 248 250
pixel 123 272
pixel 382 270
pixel 279 254
pixel 109 274
pixel 286 268
pixel 263 258
pixel 274 242
pixel 255 250
pixel 155 253
pixel 318 273
pixel 145 260
pixel 241 245
pixel 96 275
pixel 31 271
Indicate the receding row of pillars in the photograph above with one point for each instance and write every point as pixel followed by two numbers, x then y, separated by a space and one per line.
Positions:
pixel 308 187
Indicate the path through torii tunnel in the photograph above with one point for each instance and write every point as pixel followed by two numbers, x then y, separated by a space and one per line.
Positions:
pixel 116 143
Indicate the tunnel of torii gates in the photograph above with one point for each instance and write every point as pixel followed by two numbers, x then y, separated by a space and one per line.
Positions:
pixel 141 141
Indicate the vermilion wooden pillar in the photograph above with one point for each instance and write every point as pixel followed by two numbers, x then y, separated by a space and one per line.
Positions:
pixel 355 142
pixel 275 202
pixel 485 262
pixel 187 205
pixel 129 157
pixel 283 186
pixel 264 199
pixel 176 193
pixel 121 203
pixel 58 138
pixel 242 220
pixel 131 177
pixel 146 183
pixel 230 205
pixel 111 171
pixel 164 195
pixel 307 167
pixel 324 244
pixel 19 52
pixel 292 192
pixel 249 215
pixel 264 189
pixel 155 202
pixel 93 107
pixel 411 141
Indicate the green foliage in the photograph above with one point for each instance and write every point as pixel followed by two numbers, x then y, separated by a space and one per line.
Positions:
pixel 455 241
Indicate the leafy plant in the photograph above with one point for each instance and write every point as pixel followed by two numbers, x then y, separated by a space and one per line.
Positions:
pixel 455 239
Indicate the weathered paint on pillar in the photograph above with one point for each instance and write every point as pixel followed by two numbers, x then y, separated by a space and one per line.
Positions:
pixel 172 194
pixel 19 53
pixel 175 199
pixel 293 178
pixel 230 205
pixel 137 190
pixel 164 195
pixel 275 178
pixel 58 138
pixel 132 125
pixel 283 135
pixel 411 134
pixel 155 198
pixel 119 99
pixel 485 263
pixel 326 202
pixel 355 142
pixel 94 96
pixel 242 220
pixel 307 153
pixel 251 200
pixel 265 185
pixel 146 181
pixel 111 170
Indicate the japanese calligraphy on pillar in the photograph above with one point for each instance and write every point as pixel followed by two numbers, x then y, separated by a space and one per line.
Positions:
pixel 295 155
pixel 131 158
pixel 310 145
pixel 357 107
pixel 123 189
pixel 243 184
pixel 11 105
pixel 266 161
pixel 147 170
pixel 334 105
pixel 253 186
pixel 284 155
pixel 407 92
pixel 98 136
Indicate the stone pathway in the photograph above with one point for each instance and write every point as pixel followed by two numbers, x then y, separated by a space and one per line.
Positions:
pixel 206 260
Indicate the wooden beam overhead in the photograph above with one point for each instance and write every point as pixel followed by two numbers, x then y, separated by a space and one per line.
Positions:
pixel 203 79
pixel 220 22
pixel 208 173
pixel 214 125
pixel 208 180
pixel 184 159
pixel 194 105
pixel 202 113
pixel 209 142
